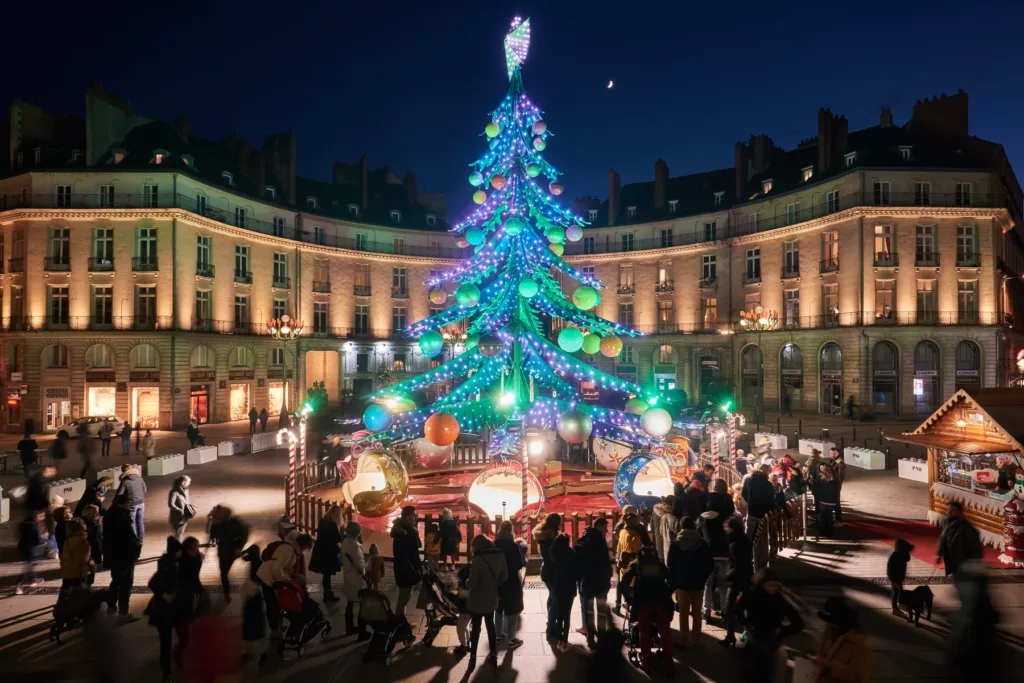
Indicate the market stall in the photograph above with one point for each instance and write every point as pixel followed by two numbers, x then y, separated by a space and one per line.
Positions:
pixel 974 448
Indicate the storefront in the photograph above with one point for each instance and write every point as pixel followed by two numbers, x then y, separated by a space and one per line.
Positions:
pixel 831 379
pixel 926 378
pixel 885 379
pixel 56 408
pixel 240 393
pixel 276 397
pixel 100 393
pixel 791 363
pixel 145 398
pixel 710 375
pixel 968 366
pixel 199 395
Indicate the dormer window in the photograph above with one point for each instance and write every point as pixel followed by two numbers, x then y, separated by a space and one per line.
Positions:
pixel 353 209
pixel 806 173
pixel 905 152
pixel 593 215
pixel 118 155
pixel 159 155
pixel 850 159
pixel 431 219
pixel 631 211
pixel 228 177
pixel 766 186
pixel 76 154
pixel 396 216
pixel 20 160
pixel 188 160
pixel 312 203
pixel 38 151
pixel 673 204
pixel 718 197
pixel 270 192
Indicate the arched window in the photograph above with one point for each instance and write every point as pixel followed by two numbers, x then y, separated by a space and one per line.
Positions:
pixel 885 383
pixel 241 357
pixel 202 357
pixel 792 358
pixel 968 366
pixel 144 356
pixel 926 377
pixel 99 356
pixel 831 358
pixel 277 356
pixel 666 354
pixel 55 356
pixel 926 357
pixel 884 357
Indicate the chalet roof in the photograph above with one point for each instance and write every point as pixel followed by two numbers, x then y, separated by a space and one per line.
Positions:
pixel 1003 409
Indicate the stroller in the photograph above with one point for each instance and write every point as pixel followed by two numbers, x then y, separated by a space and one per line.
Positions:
pixel 302 619
pixel 73 607
pixel 441 607
pixel 632 629
pixel 388 628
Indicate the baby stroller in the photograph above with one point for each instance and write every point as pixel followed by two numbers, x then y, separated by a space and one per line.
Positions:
pixel 73 608
pixel 441 607
pixel 633 641
pixel 301 618
pixel 388 628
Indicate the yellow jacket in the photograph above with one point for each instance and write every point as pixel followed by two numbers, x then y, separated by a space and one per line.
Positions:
pixel 628 547
pixel 75 556
pixel 848 658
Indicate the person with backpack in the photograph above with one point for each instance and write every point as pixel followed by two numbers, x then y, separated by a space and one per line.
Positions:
pixel 405 541
pixel 121 550
pixel 282 561
pixel 690 564
pixel 651 605
pixel 595 578
pixel 264 418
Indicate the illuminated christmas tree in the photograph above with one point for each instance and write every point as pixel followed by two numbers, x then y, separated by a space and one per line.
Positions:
pixel 514 375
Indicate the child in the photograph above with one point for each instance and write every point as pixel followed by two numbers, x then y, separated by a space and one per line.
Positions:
pixel 464 618
pixel 432 546
pixel 375 568
pixel 896 572
pixel 61 516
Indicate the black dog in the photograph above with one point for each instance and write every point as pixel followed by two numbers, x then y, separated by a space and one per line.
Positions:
pixel 916 602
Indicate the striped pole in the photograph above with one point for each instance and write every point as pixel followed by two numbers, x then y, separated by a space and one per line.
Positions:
pixel 732 439
pixel 291 478
pixel 715 459
pixel 302 442
pixel 524 528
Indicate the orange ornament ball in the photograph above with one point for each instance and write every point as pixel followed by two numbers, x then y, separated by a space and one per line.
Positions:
pixel 611 346
pixel 498 181
pixel 441 429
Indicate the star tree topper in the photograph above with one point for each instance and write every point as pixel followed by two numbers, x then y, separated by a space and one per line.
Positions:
pixel 517 44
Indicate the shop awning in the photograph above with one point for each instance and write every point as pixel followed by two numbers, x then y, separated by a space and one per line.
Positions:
pixel 955 444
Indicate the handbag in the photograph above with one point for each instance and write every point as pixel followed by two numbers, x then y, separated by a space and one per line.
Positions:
pixel 190 511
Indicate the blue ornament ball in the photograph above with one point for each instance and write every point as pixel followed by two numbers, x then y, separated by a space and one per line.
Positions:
pixel 475 236
pixel 514 225
pixel 377 418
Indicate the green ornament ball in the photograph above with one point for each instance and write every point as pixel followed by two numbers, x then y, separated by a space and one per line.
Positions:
pixel 591 343
pixel 584 298
pixel 539 144
pixel 514 225
pixel 479 196
pixel 468 295
pixel 636 405
pixel 555 235
pixel 476 178
pixel 529 288
pixel 475 236
pixel 431 343
pixel 570 340
pixel 492 129
pixel 533 170
pixel 471 341
pixel 597 301
pixel 558 249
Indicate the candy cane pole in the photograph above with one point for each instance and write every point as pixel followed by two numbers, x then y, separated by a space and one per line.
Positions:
pixel 715 460
pixel 281 435
pixel 732 439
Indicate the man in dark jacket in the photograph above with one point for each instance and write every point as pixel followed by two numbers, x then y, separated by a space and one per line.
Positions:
pixel 712 528
pixel 133 488
pixel 896 572
pixel 738 575
pixel 121 548
pixel 695 498
pixel 689 562
pixel 27 450
pixel 959 541
pixel 253 416
pixel 94 495
pixel 838 466
pixel 596 580
pixel 770 619
pixel 94 534
pixel 760 496
pixel 405 539
pixel 37 496
pixel 652 605
pixel 231 534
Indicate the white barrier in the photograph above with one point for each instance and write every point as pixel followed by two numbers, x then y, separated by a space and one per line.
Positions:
pixel 865 458
pixel 264 441
pixel 70 490
pixel 914 469
pixel 823 447
pixel 201 455
pixel 776 441
pixel 5 509
pixel 165 464
pixel 231 447
pixel 113 472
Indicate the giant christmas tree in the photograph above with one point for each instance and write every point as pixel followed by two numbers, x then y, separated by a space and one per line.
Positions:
pixel 505 290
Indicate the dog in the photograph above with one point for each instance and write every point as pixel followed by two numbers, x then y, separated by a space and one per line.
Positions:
pixel 916 602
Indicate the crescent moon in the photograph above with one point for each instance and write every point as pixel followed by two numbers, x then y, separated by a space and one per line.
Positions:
pixel 610 84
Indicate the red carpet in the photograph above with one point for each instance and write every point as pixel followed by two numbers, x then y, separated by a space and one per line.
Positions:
pixel 923 536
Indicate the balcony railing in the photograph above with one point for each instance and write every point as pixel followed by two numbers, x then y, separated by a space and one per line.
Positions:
pixel 243 276
pixel 886 259
pixel 282 282
pixel 205 270
pixel 399 293
pixel 100 264
pixel 707 283
pixel 926 259
pixel 57 264
pixel 16 265
pixel 829 265
pixel 145 264
pixel 361 290
pixel 751 277
pixel 665 286
pixel 626 289
pixel 968 259
pixel 321 287
pixel 686 328
pixel 790 272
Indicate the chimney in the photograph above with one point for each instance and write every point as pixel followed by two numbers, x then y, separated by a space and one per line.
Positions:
pixel 660 178
pixel 833 130
pixel 410 188
pixel 941 117
pixel 181 125
pixel 281 161
pixel 614 188
pixel 885 120
pixel 761 146
pixel 742 153
pixel 364 164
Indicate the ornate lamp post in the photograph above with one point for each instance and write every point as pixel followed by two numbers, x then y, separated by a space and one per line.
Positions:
pixel 285 329
pixel 759 320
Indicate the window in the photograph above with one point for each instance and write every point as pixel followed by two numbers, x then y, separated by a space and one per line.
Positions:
pixel 593 215
pixel 753 222
pixel 882 193
pixel 711 231
pixel 753 264
pixel 790 258
pixel 279 308
pixel 399 286
pixel 588 245
pixel 361 241
pixel 830 250
pixel 885 300
pixel 625 277
pixel 203 260
pixel 396 216
pixel 280 269
pixel 832 201
pixel 927 302
pixel 150 196
pixel 709 268
pixel 63 196
pixel 751 300
pixel 103 305
pixel 312 203
pixel 626 313
pixel 666 317
pixel 353 209
pixel 631 211
pixel 766 186
pixel 399 362
pixel 791 308
pixel 277 356
pixel 321 272
pixel 627 241
pixel 963 194
pixel 905 152
pixel 241 312
pixel 203 308
pixel 362 319
pixel 38 155
pixel 145 356
pixel 431 220
pixel 201 205
pixel 106 196
pixel 242 262
pixel 967 301
pixel 201 357
pixel 277 226
pixel 227 177
pixel 99 356
pixel 57 356
pixel 922 193
pixel 718 198
pixel 791 213
pixel 627 354
pixel 363 362
pixel 145 246
pixel 398 318
pixel 924 247
pixel 60 246
pixel 320 317
pixel 830 302
pixel 241 357
pixel 965 246
pixel 399 245
pixel 435 247
pixel 806 173
pixel 587 271
pixel 666 237
pixel 18 243
pixel 673 204
pixel 270 192
pixel 883 244
pixel 17 304
pixel 664 275
pixel 709 312
pixel 241 219
pixel 319 234
pixel 145 305
pixel 850 159
pixel 362 279
pixel 159 155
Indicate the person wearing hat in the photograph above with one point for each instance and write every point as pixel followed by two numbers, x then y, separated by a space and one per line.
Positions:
pixel 844 655
pixel 770 619
pixel 94 495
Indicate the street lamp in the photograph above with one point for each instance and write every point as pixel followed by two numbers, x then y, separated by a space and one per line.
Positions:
pixel 759 320
pixel 285 329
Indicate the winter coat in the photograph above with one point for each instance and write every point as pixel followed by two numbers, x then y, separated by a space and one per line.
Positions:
pixel 722 504
pixel 486 575
pixel 178 501
pixel 149 446
pixel 629 543
pixel 544 539
pixel 595 563
pixel 567 572
pixel 797 484
pixel 695 500
pixel 510 593
pixel 90 497
pixel 711 526
pixel 164 582
pixel 689 561
pixel 405 541
pixel 281 563
pixel 189 586
pixel 353 566
pixel 651 583
pixel 27 451
pixel 75 555
pixel 848 658
pixel 741 560
pixel 325 558
pixel 126 433
pixel 826 491
pixel 432 543
pixel 765 615
pixel 814 464
pixel 658 513
pixel 94 534
pixel 838 469
pixel 451 536
pixel 232 534
pixel 896 567
pixel 121 547
pixel 759 494
pixel 959 543
pixel 133 486
pixel 37 496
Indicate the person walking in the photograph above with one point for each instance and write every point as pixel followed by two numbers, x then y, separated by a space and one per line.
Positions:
pixel 737 576
pixel 629 540
pixel 960 542
pixel 651 606
pixel 253 416
pixel 126 439
pixel 826 496
pixel 690 564
pixel 280 562
pixel 711 526
pixel 770 619
pixel 27 453
pixel 510 593
pixel 595 579
pixel 37 490
pixel 180 505
pixel 86 451
pixel 138 434
pixel 106 433
pixel 326 556
pixel 264 418
pixel 164 585
pixel 566 583
pixel 133 487
pixel 760 496
pixel 838 465
pixel 191 597
pixel 121 549
pixel 149 445
pixel 405 539
pixel 486 574
pixel 353 566
pixel 844 655
pixel 192 433
pixel 32 545
pixel 451 537
pixel 254 621
pixel 544 534
pixel 230 535
pixel 850 406
pixel 974 652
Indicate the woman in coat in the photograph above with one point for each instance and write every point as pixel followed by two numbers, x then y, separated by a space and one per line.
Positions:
pixel 161 609
pixel 353 567
pixel 326 556
pixel 510 593
pixel 451 537
pixel 566 576
pixel 190 594
pixel 180 505
pixel 75 558
pixel 486 575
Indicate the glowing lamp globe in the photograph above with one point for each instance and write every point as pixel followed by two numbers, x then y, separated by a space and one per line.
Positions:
pixel 379 485
pixel 574 233
pixel 430 456
pixel 584 298
pixel 461 242
pixel 539 127
pixel 574 426
pixel 431 343
pixel 468 295
pixel 591 343
pixel 514 225
pixel 438 296
pixel 608 454
pixel 490 345
pixel 471 341
pixel 656 421
pixel 556 188
pixel 611 346
pixel 555 235
pixel 441 429
pixel 498 490
pixel 558 249
pixel 492 129
pixel 479 196
pixel 497 181
pixel 642 481
pixel 529 288
pixel 636 406
pixel 475 236
pixel 532 170
pixel 570 340
pixel 539 144
pixel 476 178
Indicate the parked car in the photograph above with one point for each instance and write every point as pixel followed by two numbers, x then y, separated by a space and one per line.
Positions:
pixel 93 423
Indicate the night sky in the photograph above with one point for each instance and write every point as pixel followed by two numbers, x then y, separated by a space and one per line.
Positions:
pixel 411 83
